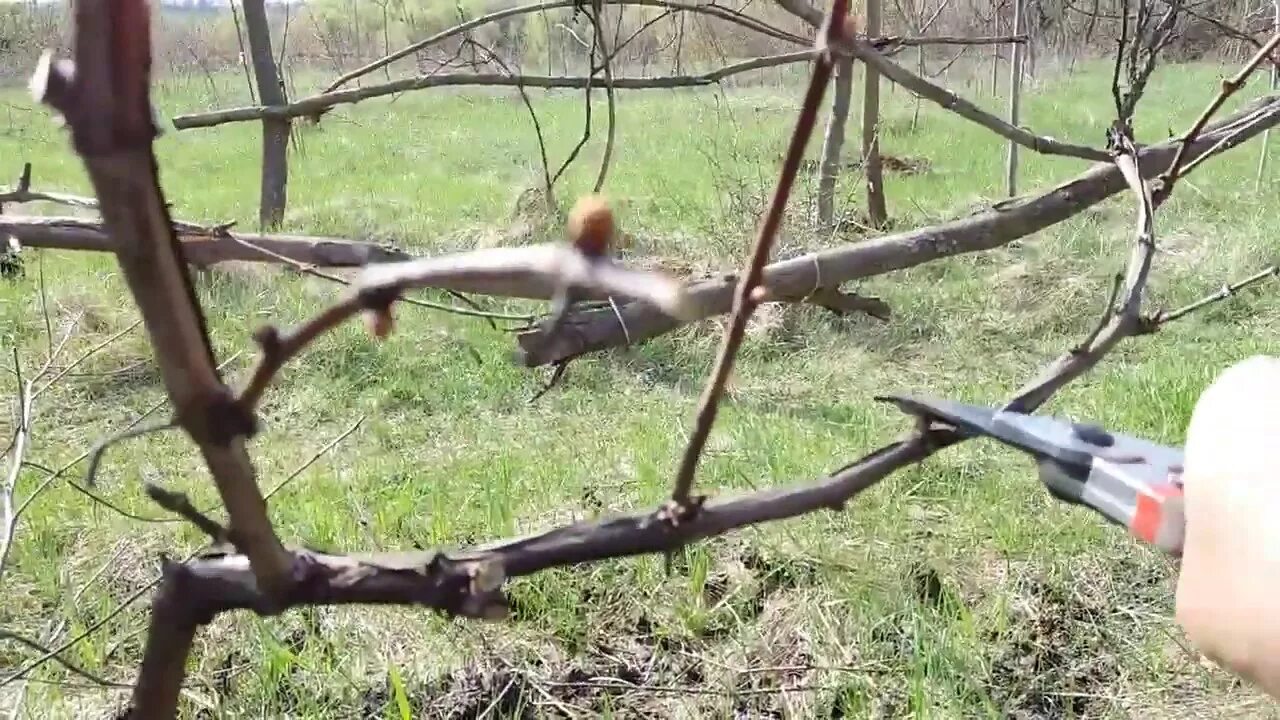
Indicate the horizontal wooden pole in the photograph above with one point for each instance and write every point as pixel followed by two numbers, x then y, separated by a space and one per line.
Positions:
pixel 201 245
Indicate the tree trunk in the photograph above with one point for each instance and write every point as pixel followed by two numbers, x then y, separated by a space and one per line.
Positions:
pixel 833 143
pixel 275 132
pixel 876 212
pixel 1015 91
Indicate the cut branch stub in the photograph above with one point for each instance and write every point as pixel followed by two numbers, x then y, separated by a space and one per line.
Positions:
pixel 96 127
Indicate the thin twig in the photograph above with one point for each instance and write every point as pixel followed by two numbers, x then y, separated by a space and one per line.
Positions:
pixel 56 657
pixel 619 684
pixel 318 104
pixel 179 504
pixel 586 117
pixel 549 200
pixel 101 447
pixel 23 670
pixel 244 57
pixel 58 628
pixel 1224 140
pixel 744 303
pixel 44 305
pixel 865 51
pixel 1122 318
pixel 115 612
pixel 1228 88
pixel 712 9
pixel 52 475
pixel 314 457
pixel 311 270
pixel 556 374
pixel 277 348
pixel 111 505
pixel 606 66
pixel 22 430
pixel 1226 291
pixel 86 355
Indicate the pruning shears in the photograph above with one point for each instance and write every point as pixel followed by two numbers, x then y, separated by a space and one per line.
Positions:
pixel 1130 481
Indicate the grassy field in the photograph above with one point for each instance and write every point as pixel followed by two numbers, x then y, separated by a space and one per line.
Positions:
pixel 957 588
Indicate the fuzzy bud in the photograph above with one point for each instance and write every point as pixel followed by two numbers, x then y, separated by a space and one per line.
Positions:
pixel 854 25
pixel 591 226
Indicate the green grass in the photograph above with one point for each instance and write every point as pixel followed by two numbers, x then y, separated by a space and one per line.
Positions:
pixel 955 589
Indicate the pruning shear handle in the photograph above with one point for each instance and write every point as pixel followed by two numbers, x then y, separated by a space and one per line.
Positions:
pixel 1130 481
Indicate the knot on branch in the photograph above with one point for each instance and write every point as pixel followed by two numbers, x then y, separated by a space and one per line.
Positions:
pixel 376 303
pixel 219 419
pixel 268 339
pixel 178 600
pixel 101 122
pixel 678 511
pixel 1120 136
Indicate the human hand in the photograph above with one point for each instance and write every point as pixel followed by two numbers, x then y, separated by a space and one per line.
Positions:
pixel 1228 594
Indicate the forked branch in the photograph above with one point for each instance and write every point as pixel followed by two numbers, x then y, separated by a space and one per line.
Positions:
pixel 1123 316
pixel 1179 166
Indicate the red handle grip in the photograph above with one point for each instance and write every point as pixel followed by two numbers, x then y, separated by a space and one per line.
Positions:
pixel 1159 518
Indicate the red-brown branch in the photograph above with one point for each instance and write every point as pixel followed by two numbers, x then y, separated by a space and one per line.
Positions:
pixel 744 301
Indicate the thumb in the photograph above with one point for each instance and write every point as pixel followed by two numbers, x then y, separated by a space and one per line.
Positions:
pixel 1229 584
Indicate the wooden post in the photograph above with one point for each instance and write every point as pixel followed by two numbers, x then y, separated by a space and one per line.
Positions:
pixel 995 54
pixel 833 142
pixel 876 212
pixel 1275 80
pixel 1015 89
pixel 275 132
pixel 915 111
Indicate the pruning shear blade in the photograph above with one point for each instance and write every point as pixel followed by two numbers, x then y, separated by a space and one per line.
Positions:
pixel 1131 481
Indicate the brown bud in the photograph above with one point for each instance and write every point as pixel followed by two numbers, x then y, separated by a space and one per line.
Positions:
pixel 591 226
pixel 380 322
pixel 268 337
pixel 853 25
